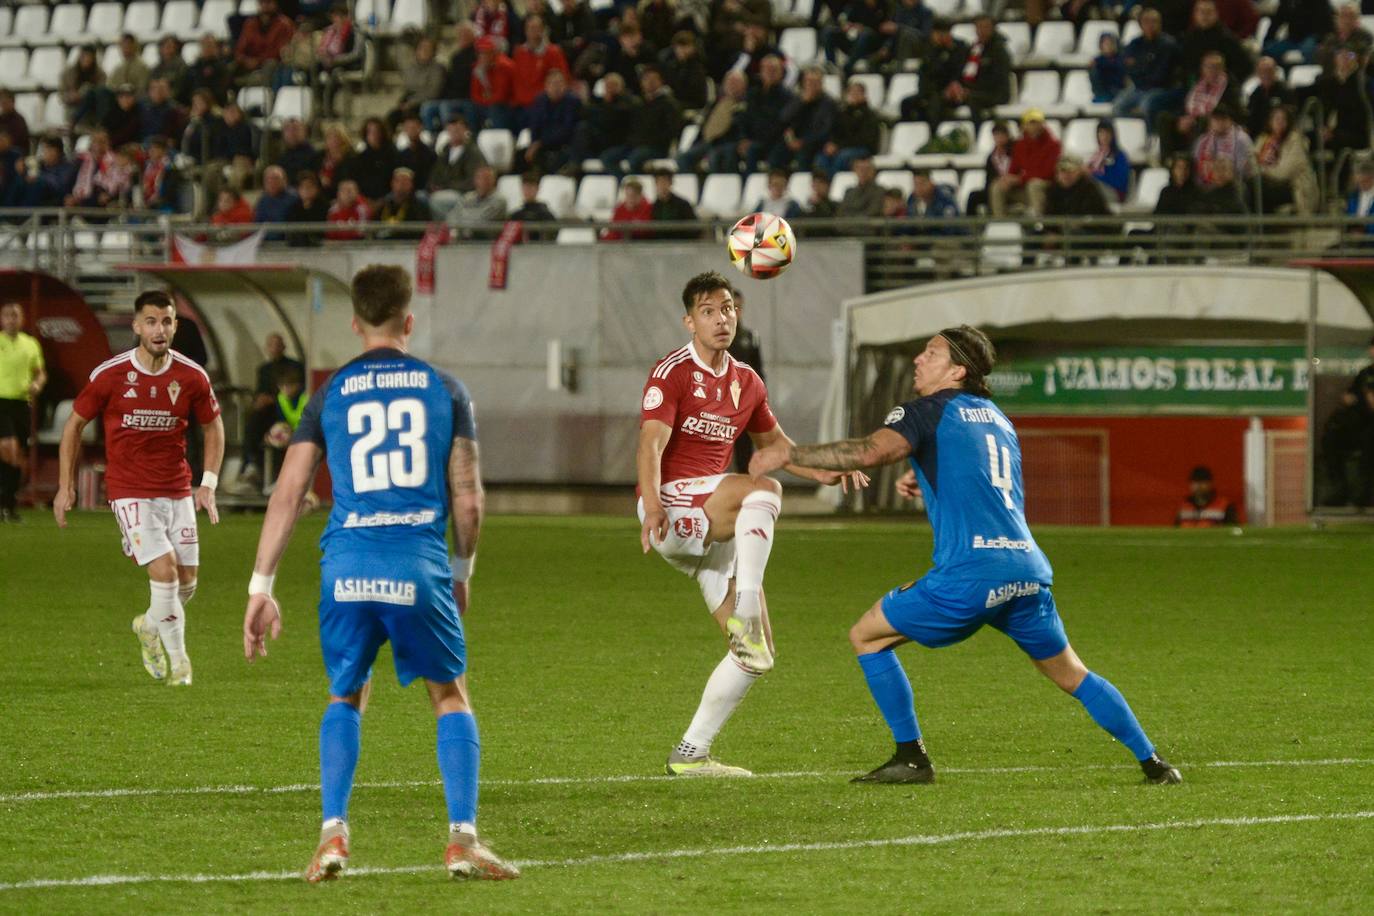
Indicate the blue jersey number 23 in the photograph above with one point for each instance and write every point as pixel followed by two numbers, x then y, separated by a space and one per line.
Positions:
pixel 374 470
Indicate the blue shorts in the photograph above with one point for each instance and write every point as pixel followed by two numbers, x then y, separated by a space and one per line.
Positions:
pixel 368 599
pixel 942 613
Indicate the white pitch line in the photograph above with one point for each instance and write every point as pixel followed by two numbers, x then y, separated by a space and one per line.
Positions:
pixel 621 858
pixel 625 778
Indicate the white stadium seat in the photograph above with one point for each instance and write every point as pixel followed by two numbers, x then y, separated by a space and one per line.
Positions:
pixel 1018 36
pixel 1039 89
pixel 972 180
pixel 720 196
pixel 576 235
pixel 508 186
pixel 68 19
pixel 965 32
pixel 366 9
pixel 45 67
pixel 903 142
pixel 6 22
pixel 141 19
pixel 1089 38
pixel 1002 246
pixel 292 102
pixel 409 14
pixel 1303 75
pixel 30 105
pixel 558 191
pixel 105 21
pixel 755 189
pixel 900 179
pixel 190 52
pixel 842 182
pixel 150 55
pixel 14 69
pixel 799 187
pixel 214 17
pixel 54 112
pixel 1130 32
pixel 1078 96
pixel 1152 181
pixel 945 7
pixel 30 25
pixel 110 58
pixel 688 137
pixel 179 19
pixel 901 86
pixel 939 160
pixel 498 146
pixel 595 197
pixel 834 87
pixel 1133 138
pixel 1054 41
pixel 799 45
pixel 687 186
pixel 248 7
pixel 1080 138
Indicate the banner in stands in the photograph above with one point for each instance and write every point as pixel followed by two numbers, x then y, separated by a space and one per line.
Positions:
pixel 1233 378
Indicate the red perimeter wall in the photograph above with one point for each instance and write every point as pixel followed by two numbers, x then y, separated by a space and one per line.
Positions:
pixel 1149 458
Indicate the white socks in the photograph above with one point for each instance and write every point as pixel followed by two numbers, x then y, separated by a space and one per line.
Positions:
pixel 753 543
pixel 166 613
pixel 725 688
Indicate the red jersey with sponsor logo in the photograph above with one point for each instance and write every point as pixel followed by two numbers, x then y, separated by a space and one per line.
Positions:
pixel 707 412
pixel 144 415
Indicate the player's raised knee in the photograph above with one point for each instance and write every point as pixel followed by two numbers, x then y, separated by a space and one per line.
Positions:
pixel 765 485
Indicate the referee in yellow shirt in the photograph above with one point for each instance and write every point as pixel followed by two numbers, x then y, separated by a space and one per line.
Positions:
pixel 21 378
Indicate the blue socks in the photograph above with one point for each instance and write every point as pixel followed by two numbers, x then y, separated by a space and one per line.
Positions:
pixel 891 690
pixel 1110 710
pixel 340 740
pixel 459 753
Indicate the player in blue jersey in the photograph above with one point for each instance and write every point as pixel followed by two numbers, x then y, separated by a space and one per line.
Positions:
pixel 401 444
pixel 987 568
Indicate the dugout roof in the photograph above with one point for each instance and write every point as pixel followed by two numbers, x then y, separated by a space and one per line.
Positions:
pixel 241 305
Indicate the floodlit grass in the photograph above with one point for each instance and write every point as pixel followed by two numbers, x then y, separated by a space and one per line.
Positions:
pixel 586 662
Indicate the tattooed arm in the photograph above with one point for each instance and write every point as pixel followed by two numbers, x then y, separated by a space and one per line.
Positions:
pixel 880 447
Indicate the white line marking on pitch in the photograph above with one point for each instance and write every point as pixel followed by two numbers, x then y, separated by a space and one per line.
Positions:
pixel 623 778
pixel 928 839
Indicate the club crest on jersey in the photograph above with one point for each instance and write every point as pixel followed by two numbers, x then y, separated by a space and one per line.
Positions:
pixel 173 391
pixel 697 376
pixel 689 527
pixel 131 376
pixel 734 392
pixel 894 415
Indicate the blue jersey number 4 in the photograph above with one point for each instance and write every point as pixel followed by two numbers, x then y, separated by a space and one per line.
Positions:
pixel 1001 477
pixel 407 466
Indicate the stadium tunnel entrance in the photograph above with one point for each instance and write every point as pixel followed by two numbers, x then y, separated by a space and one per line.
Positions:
pixel 1121 380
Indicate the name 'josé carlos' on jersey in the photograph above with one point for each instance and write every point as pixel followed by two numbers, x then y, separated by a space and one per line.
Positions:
pixel 968 463
pixel 386 422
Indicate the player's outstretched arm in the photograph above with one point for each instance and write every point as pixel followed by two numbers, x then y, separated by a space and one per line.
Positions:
pixel 263 615
pixel 880 447
pixel 653 439
pixel 468 504
pixel 214 457
pixel 68 454
pixel 776 438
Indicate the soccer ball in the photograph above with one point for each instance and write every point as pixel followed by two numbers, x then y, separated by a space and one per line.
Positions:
pixel 762 245
pixel 279 436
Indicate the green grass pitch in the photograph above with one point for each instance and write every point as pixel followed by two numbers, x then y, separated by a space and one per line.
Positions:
pixel 1249 660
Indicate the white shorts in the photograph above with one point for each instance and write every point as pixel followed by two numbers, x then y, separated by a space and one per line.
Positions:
pixel 686 550
pixel 155 527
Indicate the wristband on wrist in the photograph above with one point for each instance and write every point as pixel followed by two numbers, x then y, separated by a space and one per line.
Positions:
pixel 260 584
pixel 462 567
pixel 209 479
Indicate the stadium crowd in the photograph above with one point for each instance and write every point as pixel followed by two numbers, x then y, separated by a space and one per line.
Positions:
pixel 610 90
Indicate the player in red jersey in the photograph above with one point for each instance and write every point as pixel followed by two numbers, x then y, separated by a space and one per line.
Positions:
pixel 713 526
pixel 144 398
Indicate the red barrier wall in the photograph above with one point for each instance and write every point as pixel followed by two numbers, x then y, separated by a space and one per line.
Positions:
pixel 1149 458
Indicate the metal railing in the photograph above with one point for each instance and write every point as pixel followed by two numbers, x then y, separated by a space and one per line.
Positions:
pixel 75 243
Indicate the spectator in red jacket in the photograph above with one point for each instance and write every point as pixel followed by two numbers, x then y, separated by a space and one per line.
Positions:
pixel 260 44
pixel 1033 160
pixel 231 209
pixel 349 209
pixel 533 60
pixel 1240 16
pixel 493 89
pixel 494 19
pixel 633 208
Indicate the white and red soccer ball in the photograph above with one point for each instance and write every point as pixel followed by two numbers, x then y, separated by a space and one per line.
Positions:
pixel 761 245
